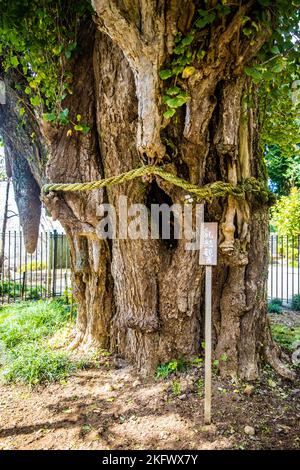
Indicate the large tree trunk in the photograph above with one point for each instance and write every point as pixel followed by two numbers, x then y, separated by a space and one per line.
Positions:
pixel 144 298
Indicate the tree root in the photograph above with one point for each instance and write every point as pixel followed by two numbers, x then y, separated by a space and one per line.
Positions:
pixel 273 357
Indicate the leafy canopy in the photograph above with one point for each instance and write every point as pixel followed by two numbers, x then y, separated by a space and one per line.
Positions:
pixel 37 38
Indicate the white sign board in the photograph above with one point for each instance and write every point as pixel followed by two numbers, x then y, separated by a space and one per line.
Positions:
pixel 208 243
pixel 208 258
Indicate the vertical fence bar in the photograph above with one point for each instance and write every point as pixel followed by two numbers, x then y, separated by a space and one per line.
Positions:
pixel 298 268
pixel 61 263
pixel 54 263
pixel 287 268
pixel 271 266
pixel 31 275
pixel 25 270
pixel 15 263
pixel 2 280
pixel 281 264
pixel 8 269
pixel 20 263
pixel 47 265
pixel 276 268
pixel 293 261
pixel 42 266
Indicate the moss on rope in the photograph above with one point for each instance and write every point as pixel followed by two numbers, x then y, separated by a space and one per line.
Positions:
pixel 204 193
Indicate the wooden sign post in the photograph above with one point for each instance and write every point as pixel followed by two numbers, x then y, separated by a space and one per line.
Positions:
pixel 208 258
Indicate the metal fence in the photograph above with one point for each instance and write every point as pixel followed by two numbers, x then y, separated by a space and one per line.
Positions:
pixel 284 267
pixel 43 274
pixel 46 273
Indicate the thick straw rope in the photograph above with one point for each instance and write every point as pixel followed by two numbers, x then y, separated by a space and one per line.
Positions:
pixel 207 192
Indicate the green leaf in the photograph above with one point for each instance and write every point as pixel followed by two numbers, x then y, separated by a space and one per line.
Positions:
pixel 203 12
pixel 14 61
pixel 178 100
pixel 64 116
pixel 78 127
pixel 187 40
pixel 278 67
pixel 208 19
pixel 179 50
pixel 201 23
pixel 170 113
pixel 223 9
pixel 35 100
pixel 165 74
pixel 49 117
pixel 275 50
pixel 173 90
pixel 200 54
pixel 22 111
pixel 253 72
pixel 86 129
pixel 177 69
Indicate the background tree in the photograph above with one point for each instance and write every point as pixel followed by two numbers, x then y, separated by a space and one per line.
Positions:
pixel 286 214
pixel 283 170
pixel 150 82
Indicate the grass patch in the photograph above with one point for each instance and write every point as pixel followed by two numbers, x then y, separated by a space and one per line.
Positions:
pixel 33 364
pixel 285 336
pixel 26 322
pixel 25 353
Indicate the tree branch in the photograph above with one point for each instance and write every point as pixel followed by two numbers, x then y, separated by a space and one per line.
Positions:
pixel 125 34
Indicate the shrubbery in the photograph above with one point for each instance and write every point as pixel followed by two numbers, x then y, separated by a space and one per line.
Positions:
pixel 296 302
pixel 275 306
pixel 13 289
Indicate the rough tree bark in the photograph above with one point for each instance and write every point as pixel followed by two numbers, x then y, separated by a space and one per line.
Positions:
pixel 142 298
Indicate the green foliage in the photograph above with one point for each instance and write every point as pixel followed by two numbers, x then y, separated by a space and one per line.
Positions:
pixel 14 289
pixel 176 387
pixel 283 169
pixel 165 370
pixel 274 70
pixel 29 322
pixel 196 362
pixel 38 38
pixel 34 364
pixel 26 356
pixel 285 336
pixel 286 214
pixel 274 307
pixel 186 56
pixel 295 304
pixel 277 301
pixel 200 386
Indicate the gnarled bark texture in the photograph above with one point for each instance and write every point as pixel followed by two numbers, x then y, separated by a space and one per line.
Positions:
pixel 142 298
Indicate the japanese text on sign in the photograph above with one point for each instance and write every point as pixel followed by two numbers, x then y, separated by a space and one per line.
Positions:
pixel 208 243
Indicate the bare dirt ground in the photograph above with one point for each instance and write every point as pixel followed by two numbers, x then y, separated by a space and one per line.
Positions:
pixel 112 408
